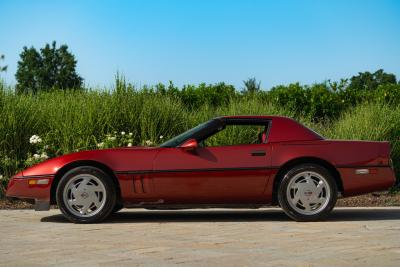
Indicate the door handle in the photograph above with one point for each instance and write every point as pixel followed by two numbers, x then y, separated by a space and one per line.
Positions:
pixel 258 153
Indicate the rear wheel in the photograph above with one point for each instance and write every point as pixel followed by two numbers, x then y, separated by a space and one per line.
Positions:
pixel 86 195
pixel 307 192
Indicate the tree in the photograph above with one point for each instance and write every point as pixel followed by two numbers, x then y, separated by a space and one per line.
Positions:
pixel 2 68
pixel 29 71
pixel 51 68
pixel 370 81
pixel 251 86
pixel 338 86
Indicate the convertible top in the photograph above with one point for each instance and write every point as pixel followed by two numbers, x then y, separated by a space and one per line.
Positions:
pixel 282 129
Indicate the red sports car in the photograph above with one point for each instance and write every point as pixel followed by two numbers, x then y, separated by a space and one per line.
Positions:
pixel 265 160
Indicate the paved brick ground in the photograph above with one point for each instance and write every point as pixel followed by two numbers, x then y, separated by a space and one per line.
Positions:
pixel 351 237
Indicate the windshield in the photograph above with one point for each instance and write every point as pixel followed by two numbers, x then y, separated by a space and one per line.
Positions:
pixel 176 141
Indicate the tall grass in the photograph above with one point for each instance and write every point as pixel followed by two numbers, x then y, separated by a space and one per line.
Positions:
pixel 79 120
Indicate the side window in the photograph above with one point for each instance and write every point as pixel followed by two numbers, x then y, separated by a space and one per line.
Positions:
pixel 238 135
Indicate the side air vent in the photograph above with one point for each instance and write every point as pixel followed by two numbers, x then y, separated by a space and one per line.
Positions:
pixel 139 184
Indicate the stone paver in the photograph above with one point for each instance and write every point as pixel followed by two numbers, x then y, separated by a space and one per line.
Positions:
pixel 350 237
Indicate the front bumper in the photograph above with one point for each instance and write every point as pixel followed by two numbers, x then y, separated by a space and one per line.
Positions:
pixel 32 188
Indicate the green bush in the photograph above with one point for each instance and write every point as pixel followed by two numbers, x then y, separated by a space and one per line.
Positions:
pixel 292 97
pixel 315 102
pixel 387 93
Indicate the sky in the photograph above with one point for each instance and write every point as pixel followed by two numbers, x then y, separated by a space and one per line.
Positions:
pixel 189 42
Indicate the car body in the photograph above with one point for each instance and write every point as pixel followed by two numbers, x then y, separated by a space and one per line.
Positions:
pixel 183 174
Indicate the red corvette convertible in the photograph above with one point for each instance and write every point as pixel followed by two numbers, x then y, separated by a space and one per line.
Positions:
pixel 265 160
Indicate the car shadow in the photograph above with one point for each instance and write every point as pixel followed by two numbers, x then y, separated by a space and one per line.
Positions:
pixel 338 215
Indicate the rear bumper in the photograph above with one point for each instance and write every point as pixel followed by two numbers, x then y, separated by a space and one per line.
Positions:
pixel 28 189
pixel 356 180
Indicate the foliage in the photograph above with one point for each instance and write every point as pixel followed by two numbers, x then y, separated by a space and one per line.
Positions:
pixel 52 68
pixel 251 86
pixel 370 81
pixel 316 102
pixel 194 96
pixel 39 151
pixel 387 93
pixel 2 68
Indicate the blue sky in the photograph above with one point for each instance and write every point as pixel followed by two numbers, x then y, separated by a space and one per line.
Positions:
pixel 277 42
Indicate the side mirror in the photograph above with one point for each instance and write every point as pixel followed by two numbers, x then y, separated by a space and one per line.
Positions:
pixel 189 145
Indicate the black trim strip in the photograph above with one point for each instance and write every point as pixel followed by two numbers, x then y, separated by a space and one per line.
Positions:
pixel 36 176
pixel 198 170
pixel 362 166
pixel 210 170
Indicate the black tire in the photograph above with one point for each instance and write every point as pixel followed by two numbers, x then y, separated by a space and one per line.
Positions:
pixel 110 195
pixel 117 207
pixel 324 209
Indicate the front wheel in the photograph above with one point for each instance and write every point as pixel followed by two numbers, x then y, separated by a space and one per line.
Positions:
pixel 86 195
pixel 307 192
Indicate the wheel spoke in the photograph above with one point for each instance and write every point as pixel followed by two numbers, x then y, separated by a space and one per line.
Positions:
pixel 319 188
pixel 93 199
pixel 296 198
pixel 306 205
pixel 74 201
pixel 95 188
pixel 83 183
pixel 85 208
pixel 308 178
pixel 320 200
pixel 97 203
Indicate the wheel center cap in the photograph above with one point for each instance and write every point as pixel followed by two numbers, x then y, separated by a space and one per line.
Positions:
pixel 308 193
pixel 84 195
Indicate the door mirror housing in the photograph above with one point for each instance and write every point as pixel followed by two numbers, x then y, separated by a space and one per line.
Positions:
pixel 189 145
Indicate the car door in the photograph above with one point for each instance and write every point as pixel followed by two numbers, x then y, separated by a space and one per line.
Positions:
pixel 221 174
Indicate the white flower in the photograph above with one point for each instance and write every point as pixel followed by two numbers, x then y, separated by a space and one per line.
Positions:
pixel 130 134
pixel 44 155
pixel 100 144
pixel 161 136
pixel 130 144
pixel 149 143
pixel 122 133
pixel 35 139
pixel 36 156
pixel 46 147
pixel 111 138
pixel 1 176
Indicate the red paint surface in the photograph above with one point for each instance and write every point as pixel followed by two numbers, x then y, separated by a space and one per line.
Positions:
pixel 205 175
pixel 356 184
pixel 19 187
